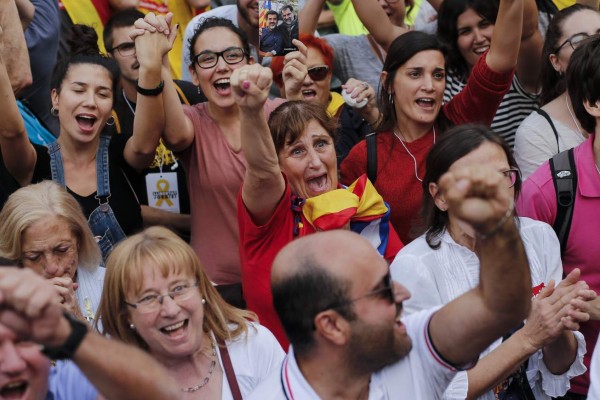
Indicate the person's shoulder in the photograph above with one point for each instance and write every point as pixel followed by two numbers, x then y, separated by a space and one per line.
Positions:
pixel 528 226
pixel 540 178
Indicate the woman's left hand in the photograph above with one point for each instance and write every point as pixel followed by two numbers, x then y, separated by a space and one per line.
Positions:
pixel 251 85
pixel 295 71
pixel 153 38
pixel 65 288
pixel 359 91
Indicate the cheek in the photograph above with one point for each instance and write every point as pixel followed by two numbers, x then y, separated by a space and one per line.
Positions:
pixel 464 42
pixel 33 266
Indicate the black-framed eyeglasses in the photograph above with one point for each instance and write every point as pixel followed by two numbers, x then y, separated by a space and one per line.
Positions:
pixel 386 292
pixel 152 302
pixel 126 49
pixel 573 41
pixel 318 73
pixel 512 174
pixel 208 59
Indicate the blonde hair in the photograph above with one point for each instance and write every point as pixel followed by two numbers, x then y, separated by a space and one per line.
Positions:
pixel 33 203
pixel 162 248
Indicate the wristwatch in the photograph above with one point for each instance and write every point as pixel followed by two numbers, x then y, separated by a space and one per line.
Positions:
pixel 69 347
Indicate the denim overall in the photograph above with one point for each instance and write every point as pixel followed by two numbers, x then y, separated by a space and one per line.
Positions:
pixel 102 220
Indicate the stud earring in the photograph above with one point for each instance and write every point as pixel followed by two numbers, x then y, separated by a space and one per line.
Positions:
pixel 132 326
pixel 203 301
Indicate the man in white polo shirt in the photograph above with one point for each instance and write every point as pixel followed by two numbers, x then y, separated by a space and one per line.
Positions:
pixel 341 311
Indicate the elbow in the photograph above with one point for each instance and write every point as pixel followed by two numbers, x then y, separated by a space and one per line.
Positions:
pixel 21 82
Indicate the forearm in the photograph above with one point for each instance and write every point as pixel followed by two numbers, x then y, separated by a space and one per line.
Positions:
pixel 309 16
pixel 155 216
pixel 504 48
pixel 14 48
pixel 178 131
pixel 498 365
pixel 377 22
pixel 149 121
pixel 505 269
pixel 121 371
pixel 26 11
pixel 257 145
pixel 560 354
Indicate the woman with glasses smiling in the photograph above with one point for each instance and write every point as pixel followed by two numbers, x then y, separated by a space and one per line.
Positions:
pixel 554 128
pixel 442 264
pixel 157 297
pixel 206 137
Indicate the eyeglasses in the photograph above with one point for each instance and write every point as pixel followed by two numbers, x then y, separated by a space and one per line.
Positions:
pixel 573 41
pixel 318 73
pixel 208 59
pixel 385 293
pixel 152 302
pixel 126 49
pixel 512 174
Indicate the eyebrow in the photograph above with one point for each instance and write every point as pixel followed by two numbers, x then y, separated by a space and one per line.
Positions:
pixel 87 84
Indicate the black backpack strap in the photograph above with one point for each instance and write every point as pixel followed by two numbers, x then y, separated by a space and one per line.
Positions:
pixel 371 139
pixel 547 117
pixel 564 177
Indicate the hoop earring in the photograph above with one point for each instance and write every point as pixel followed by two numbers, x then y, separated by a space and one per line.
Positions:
pixel 391 99
pixel 199 91
pixel 110 121
pixel 54 112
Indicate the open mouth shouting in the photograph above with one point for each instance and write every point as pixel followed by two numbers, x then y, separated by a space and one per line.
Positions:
pixel 14 390
pixel 309 94
pixel 86 122
pixel 426 103
pixel 318 184
pixel 222 86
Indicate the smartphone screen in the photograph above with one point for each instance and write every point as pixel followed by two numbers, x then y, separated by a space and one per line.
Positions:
pixel 278 25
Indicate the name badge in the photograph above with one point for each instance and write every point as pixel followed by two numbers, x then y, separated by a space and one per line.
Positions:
pixel 163 191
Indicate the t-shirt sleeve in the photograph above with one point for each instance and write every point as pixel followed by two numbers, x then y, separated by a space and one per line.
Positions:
pixel 480 98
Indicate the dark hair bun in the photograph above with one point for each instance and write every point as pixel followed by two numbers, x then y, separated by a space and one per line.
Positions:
pixel 83 40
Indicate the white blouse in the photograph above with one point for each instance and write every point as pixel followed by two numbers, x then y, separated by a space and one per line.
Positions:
pixel 436 277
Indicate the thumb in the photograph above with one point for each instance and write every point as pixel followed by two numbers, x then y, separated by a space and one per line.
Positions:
pixel 548 290
pixel 169 18
pixel 173 34
pixel 75 286
pixel 573 276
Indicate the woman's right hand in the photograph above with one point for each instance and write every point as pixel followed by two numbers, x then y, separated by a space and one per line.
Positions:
pixel 251 85
pixel 295 71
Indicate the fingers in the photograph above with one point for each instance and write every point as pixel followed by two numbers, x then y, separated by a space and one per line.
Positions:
pixel 251 81
pixel 572 277
pixel 300 46
pixel 547 291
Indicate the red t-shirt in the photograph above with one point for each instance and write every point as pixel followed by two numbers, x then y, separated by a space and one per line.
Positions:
pixel 258 247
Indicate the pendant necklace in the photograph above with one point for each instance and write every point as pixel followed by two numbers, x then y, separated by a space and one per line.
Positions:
pixel 211 368
pixel 400 136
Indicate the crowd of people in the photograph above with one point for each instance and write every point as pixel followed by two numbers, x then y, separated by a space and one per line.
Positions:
pixel 195 204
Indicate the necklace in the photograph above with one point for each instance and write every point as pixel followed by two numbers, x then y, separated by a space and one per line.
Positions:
pixel 400 136
pixel 574 119
pixel 213 363
pixel 127 101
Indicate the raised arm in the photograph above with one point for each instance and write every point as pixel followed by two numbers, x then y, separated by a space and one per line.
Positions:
pixel 308 17
pixel 377 22
pixel 18 153
pixel 478 197
pixel 162 114
pixel 151 48
pixel 530 51
pixel 512 33
pixel 118 371
pixel 14 48
pixel 263 183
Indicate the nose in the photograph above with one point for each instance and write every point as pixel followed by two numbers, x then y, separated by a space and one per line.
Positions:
pixel 427 83
pixel 478 36
pixel 221 64
pixel 168 306
pixel 11 361
pixel 314 161
pixel 53 266
pixel 401 293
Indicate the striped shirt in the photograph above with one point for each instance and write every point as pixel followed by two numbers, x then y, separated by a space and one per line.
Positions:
pixel 514 108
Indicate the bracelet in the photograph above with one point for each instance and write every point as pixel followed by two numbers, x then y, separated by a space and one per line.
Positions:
pixel 150 92
pixel 69 347
pixel 507 215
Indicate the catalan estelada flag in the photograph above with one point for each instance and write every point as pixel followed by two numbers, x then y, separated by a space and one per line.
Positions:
pixel 360 206
pixel 262 17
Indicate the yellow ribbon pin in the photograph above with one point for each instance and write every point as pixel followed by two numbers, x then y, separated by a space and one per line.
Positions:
pixel 162 185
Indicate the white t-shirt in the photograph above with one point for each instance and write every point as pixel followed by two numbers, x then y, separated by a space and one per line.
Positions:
pixel 535 142
pixel 594 391
pixel 436 277
pixel 422 374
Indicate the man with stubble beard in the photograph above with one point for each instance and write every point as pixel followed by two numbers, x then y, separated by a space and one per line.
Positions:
pixel 342 313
